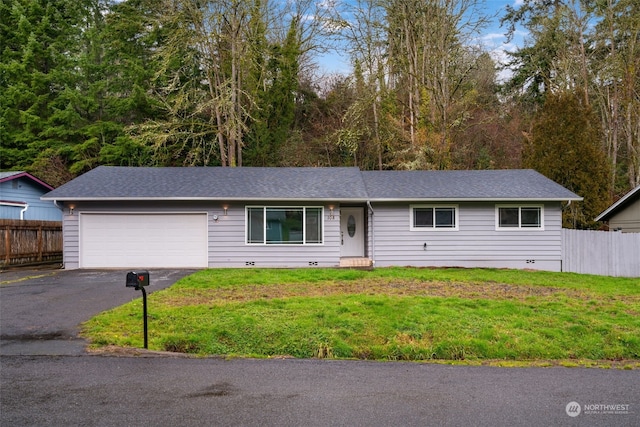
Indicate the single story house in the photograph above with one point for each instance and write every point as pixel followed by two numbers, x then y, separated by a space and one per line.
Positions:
pixel 624 215
pixel 197 217
pixel 20 194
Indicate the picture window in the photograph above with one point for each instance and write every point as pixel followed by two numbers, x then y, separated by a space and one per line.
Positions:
pixel 284 225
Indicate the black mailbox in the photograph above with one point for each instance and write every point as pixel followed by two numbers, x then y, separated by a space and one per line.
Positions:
pixel 137 279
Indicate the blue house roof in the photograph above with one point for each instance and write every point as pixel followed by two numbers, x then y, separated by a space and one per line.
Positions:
pixel 345 184
pixel 20 194
pixel 11 175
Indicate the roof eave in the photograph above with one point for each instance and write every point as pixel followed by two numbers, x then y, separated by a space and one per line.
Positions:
pixel 203 199
pixel 478 199
pixel 604 216
pixel 29 176
pixel 319 199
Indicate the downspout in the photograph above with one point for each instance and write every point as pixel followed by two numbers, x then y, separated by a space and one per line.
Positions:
pixel 26 206
pixel 562 211
pixel 373 236
pixel 562 247
pixel 23 205
pixel 57 205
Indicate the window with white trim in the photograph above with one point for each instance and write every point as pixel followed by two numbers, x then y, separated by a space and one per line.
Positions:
pixel 510 217
pixel 434 217
pixel 266 225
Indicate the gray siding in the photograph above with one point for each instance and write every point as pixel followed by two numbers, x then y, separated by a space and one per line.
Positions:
pixel 226 236
pixel 228 247
pixel 627 220
pixel 476 243
pixel 71 240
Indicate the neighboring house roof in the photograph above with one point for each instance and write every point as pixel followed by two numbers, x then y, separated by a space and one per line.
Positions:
pixel 336 184
pixel 10 176
pixel 621 204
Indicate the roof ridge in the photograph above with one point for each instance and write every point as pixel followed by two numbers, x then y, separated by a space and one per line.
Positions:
pixel 344 183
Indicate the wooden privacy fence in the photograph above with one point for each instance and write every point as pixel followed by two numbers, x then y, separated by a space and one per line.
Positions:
pixel 30 242
pixel 601 252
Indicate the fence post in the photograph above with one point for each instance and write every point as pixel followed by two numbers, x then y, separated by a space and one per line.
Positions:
pixel 39 237
pixel 7 245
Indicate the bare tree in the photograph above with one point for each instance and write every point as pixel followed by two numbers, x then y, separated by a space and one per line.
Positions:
pixel 432 53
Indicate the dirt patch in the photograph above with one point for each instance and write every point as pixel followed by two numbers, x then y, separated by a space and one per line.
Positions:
pixel 492 291
pixel 113 350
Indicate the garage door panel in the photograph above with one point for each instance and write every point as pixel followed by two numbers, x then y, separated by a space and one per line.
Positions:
pixel 143 240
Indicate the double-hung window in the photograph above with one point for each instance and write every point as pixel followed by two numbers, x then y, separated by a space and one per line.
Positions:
pixel 436 217
pixel 517 217
pixel 268 225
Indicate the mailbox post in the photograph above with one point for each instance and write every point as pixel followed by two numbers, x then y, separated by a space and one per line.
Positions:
pixel 138 281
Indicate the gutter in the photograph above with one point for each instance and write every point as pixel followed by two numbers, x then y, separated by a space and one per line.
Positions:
pixel 23 205
pixel 205 199
pixel 321 199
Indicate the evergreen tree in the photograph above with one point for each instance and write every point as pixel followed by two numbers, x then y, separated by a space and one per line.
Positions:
pixel 38 56
pixel 275 96
pixel 127 65
pixel 565 147
pixel 71 83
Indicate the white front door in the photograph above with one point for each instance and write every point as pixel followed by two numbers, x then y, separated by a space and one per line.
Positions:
pixel 352 232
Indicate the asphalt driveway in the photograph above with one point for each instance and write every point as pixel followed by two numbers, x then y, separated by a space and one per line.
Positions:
pixel 41 310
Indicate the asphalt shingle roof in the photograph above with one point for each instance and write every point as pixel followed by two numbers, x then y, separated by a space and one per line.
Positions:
pixel 337 184
pixel 116 183
pixel 512 184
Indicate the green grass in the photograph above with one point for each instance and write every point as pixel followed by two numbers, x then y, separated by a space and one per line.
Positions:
pixel 386 314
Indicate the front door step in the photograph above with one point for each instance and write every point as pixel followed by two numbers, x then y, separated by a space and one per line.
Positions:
pixel 356 262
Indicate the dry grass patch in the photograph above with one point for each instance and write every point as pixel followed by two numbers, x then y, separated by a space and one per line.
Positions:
pixel 489 291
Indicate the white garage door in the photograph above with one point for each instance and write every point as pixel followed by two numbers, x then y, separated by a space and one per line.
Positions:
pixel 143 240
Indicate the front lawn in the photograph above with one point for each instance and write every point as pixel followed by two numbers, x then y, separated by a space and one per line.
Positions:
pixel 386 314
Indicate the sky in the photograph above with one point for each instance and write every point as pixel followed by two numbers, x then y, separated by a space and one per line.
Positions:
pixel 492 38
